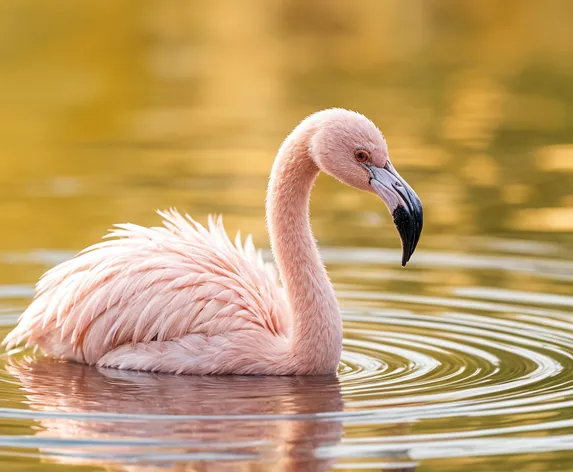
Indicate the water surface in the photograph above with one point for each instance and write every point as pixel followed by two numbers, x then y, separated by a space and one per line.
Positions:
pixel 462 361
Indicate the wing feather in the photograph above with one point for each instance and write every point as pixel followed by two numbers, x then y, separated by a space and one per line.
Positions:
pixel 154 284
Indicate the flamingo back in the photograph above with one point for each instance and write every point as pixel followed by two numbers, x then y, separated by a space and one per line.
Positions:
pixel 152 285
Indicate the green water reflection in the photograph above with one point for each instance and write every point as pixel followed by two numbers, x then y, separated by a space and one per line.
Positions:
pixel 109 110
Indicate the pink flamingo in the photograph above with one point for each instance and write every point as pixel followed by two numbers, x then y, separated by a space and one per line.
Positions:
pixel 184 299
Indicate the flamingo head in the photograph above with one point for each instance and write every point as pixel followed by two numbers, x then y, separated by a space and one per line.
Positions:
pixel 349 147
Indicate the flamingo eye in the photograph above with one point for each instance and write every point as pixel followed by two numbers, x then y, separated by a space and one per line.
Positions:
pixel 361 155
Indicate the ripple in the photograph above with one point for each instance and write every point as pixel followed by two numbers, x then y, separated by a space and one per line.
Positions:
pixel 442 372
pixel 16 291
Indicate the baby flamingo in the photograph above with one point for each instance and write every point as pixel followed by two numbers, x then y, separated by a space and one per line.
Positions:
pixel 184 299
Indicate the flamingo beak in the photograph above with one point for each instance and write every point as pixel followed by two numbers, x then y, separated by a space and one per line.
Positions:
pixel 403 203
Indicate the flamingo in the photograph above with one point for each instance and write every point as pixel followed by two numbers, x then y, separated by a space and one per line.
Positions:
pixel 184 299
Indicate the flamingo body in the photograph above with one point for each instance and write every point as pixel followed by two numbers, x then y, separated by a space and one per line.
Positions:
pixel 183 298
pixel 180 298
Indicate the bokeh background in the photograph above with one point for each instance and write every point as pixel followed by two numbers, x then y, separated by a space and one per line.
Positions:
pixel 110 110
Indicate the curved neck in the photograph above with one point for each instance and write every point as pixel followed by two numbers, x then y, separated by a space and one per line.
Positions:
pixel 317 326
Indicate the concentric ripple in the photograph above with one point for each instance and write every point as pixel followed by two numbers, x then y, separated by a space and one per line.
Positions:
pixel 431 370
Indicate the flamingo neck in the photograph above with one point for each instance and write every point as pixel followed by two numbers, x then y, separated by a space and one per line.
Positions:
pixel 317 325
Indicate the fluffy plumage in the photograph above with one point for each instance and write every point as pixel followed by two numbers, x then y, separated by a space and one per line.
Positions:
pixel 161 298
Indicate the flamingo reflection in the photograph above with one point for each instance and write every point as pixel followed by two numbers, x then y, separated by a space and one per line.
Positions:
pixel 140 421
pixel 143 421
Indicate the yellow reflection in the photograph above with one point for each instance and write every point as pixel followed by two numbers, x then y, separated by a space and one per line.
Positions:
pixel 110 110
pixel 515 193
pixel 558 157
pixel 482 170
pixel 544 219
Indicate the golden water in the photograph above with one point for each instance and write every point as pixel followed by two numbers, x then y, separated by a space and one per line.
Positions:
pixel 462 361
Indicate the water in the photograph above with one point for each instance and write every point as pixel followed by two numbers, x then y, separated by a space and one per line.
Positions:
pixel 462 361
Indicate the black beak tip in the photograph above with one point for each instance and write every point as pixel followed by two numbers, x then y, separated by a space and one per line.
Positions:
pixel 409 226
pixel 406 254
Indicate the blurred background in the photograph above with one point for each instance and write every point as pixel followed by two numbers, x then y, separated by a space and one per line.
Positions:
pixel 110 110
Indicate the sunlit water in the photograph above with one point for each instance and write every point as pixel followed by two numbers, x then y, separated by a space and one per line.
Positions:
pixel 461 361
pixel 478 372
